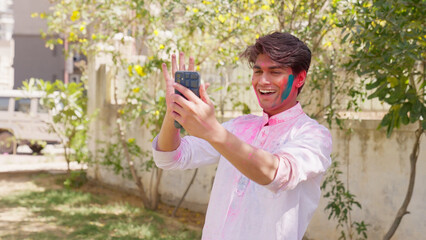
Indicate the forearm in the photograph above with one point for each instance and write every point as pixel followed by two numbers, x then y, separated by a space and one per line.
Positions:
pixel 256 164
pixel 168 138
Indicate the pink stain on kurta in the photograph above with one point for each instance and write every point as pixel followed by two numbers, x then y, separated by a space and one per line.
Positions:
pixel 242 209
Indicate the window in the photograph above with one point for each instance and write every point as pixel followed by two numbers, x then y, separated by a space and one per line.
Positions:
pixel 74 78
pixel 4 103
pixel 23 105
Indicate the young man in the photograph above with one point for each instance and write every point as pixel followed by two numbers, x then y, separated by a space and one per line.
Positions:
pixel 270 167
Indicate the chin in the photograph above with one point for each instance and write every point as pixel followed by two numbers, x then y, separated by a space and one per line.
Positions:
pixel 268 109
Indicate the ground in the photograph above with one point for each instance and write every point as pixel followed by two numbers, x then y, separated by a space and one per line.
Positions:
pixel 183 215
pixel 18 219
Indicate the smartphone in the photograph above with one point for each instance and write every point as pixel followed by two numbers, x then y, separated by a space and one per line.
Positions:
pixel 190 80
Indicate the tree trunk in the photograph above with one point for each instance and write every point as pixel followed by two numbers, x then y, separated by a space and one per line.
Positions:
pixel 123 140
pixel 155 196
pixel 135 176
pixel 67 158
pixel 184 194
pixel 64 141
pixel 403 209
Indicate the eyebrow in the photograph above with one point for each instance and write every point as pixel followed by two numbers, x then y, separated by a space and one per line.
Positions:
pixel 271 68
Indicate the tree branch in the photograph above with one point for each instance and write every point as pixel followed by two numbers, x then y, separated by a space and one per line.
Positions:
pixel 413 160
pixel 184 194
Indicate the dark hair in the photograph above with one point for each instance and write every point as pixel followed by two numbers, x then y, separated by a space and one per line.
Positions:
pixel 283 48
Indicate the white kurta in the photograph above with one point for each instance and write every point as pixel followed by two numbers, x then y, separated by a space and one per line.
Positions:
pixel 240 209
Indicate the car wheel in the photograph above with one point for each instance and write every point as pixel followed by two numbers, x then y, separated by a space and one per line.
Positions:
pixel 7 142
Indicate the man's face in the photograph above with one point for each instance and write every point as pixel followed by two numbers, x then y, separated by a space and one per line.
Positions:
pixel 274 85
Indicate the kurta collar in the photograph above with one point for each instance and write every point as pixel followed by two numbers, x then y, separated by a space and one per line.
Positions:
pixel 287 115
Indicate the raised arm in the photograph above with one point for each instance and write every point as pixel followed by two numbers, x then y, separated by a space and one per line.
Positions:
pixel 169 138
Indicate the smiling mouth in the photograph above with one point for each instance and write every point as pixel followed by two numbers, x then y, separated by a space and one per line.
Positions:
pixel 266 92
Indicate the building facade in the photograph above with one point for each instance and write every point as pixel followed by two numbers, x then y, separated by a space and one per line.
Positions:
pixel 32 59
pixel 6 44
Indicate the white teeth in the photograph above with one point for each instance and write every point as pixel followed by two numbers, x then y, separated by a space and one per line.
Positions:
pixel 266 91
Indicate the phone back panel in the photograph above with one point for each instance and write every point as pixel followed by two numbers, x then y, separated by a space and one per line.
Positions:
pixel 190 80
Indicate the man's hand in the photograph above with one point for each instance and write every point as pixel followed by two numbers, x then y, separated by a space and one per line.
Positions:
pixel 195 114
pixel 170 91
pixel 197 117
pixel 168 138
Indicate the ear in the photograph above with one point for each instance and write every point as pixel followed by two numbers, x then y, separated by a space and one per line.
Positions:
pixel 300 79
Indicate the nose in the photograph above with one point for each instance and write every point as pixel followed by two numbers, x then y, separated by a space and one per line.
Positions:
pixel 263 79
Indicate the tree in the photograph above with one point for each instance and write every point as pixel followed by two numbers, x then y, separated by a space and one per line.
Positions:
pixel 108 27
pixel 340 204
pixel 315 22
pixel 147 27
pixel 388 54
pixel 67 104
pixel 225 26
pixel 214 32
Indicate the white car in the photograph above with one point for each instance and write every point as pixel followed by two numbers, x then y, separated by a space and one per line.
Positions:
pixel 23 121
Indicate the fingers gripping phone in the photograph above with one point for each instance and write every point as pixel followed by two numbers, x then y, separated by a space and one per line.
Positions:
pixel 190 80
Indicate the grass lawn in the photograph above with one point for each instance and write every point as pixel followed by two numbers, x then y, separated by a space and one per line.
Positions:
pixel 46 210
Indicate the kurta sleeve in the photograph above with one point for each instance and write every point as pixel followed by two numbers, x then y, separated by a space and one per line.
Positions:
pixel 192 153
pixel 305 156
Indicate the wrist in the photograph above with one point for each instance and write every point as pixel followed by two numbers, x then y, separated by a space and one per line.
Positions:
pixel 217 134
pixel 168 118
pixel 168 123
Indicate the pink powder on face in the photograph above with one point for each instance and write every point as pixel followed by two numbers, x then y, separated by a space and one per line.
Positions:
pixel 282 87
pixel 258 100
pixel 285 85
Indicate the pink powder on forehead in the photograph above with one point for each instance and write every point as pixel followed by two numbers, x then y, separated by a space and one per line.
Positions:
pixel 266 62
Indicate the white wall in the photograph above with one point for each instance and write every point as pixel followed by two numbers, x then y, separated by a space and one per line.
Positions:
pixel 377 169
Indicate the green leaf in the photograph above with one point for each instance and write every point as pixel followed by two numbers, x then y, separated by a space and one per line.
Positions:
pixel 386 120
pixel 403 113
pixel 380 92
pixel 393 81
pixel 395 97
pixel 416 111
pixel 423 85
pixel 390 126
pixel 345 37
pixel 411 95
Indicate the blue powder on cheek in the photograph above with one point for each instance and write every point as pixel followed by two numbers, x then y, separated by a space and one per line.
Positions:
pixel 287 91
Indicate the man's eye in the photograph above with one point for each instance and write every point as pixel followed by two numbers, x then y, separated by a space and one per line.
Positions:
pixel 257 71
pixel 276 72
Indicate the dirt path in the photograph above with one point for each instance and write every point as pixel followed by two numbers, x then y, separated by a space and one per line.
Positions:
pixel 26 162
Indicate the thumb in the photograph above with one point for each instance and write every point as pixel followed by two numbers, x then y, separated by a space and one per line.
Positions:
pixel 203 94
